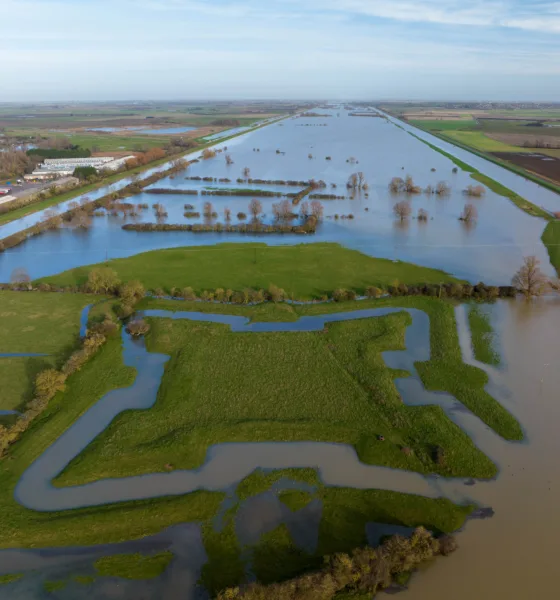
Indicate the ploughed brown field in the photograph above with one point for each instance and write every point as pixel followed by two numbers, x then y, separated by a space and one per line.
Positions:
pixel 541 164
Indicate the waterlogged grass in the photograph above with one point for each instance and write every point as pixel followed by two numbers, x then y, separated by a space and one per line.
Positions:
pixel 305 270
pixel 133 566
pixel 483 336
pixel 551 239
pixel 35 323
pixel 260 481
pixel 456 161
pixel 287 387
pixel 10 578
pixel 295 499
pixel 54 586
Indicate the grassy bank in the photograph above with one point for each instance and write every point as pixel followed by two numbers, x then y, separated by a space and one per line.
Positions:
pixel 483 336
pixel 35 323
pixel 286 386
pixel 551 239
pixel 306 270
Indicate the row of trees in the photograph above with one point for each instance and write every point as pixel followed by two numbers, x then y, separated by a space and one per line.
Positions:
pixel 403 210
pixel 365 571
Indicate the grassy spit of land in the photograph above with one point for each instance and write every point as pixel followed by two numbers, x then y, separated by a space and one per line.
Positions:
pixel 483 336
pixel 305 270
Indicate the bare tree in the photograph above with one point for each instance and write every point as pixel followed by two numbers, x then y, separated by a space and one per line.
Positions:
pixel 227 214
pixel 317 209
pixel 530 280
pixel 470 213
pixel 396 185
pixel 310 155
pixel 255 208
pixel 361 179
pixel 283 211
pixel 246 172
pixel 402 210
pixel 422 214
pixel 443 188
pixel 475 190
pixel 352 181
pixel 304 210
pixel 208 210
pixel 229 160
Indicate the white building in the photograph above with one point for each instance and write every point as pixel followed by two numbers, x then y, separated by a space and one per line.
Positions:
pixel 53 168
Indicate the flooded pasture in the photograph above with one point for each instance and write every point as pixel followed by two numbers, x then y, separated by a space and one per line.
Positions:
pixel 491 249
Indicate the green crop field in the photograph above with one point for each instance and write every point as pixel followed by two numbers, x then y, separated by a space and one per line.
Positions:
pixel 479 141
pixel 305 270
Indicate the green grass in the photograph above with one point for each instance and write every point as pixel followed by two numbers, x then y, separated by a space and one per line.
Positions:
pixel 483 336
pixel 295 499
pixel 10 578
pixel 286 387
pixel 260 481
pixel 35 323
pixel 551 239
pixel 133 566
pixel 107 524
pixel 305 270
pixel 479 141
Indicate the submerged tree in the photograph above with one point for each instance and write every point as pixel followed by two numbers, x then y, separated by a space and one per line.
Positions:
pixel 255 208
pixel 402 210
pixel 475 190
pixel 246 172
pixel 317 209
pixel 470 213
pixel 422 214
pixel 530 280
pixel 229 160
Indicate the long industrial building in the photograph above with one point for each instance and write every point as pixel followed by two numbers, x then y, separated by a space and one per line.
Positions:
pixel 53 168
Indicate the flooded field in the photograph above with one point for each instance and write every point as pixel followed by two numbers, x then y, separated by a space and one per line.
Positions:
pixel 490 249
pixel 523 498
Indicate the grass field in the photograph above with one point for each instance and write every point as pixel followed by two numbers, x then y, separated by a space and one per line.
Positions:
pixel 551 239
pixel 35 323
pixel 483 336
pixel 306 270
pixel 479 141
pixel 286 386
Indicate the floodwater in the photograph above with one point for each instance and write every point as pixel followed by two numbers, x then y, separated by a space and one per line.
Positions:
pixel 521 537
pixel 491 249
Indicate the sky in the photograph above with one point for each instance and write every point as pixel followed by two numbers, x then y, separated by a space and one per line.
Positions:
pixel 280 49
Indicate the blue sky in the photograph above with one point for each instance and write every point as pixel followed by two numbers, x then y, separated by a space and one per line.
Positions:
pixel 333 49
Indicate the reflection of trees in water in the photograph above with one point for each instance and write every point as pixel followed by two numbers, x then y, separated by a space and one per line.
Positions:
pixel 468 226
pixel 401 226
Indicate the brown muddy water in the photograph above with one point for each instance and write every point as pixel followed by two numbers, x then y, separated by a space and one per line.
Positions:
pixel 514 554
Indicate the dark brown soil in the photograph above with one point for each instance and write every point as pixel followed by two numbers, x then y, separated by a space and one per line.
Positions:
pixel 541 164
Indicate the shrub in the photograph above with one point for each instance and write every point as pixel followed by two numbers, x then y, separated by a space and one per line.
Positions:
pixel 373 292
pixel 275 293
pixel 188 293
pixel 339 295
pixel 241 216
pixel 102 280
pixel 106 328
pixel 138 328
pixel 48 383
pixel 131 292
pixel 122 310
